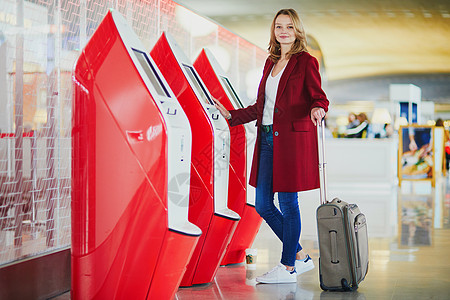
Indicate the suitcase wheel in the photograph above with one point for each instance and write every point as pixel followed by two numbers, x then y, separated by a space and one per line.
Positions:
pixel 346 287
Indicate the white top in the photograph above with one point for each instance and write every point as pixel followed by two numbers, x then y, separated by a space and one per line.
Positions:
pixel 271 95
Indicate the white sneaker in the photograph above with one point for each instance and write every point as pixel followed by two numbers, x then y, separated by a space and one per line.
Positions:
pixel 279 274
pixel 303 266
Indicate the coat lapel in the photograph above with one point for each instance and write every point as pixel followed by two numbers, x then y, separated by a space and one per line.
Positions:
pixel 262 90
pixel 284 78
pixel 266 74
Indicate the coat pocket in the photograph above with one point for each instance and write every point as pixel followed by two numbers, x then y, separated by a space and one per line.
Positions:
pixel 295 76
pixel 302 125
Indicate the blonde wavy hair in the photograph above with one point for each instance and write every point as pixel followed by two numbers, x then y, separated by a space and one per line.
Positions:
pixel 299 44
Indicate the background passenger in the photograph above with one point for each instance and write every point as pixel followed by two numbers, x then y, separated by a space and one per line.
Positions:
pixel 359 131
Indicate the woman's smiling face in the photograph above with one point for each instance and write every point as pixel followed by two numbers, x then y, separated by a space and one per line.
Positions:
pixel 284 30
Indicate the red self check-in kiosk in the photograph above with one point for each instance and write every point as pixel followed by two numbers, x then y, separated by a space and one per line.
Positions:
pixel 208 203
pixel 239 201
pixel 131 151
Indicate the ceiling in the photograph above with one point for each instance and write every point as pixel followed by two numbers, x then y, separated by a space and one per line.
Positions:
pixel 358 38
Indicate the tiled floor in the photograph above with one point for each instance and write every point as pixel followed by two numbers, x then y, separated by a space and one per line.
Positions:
pixel 409 241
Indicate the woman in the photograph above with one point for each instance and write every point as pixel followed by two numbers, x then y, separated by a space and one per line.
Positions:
pixel 290 103
pixel 352 121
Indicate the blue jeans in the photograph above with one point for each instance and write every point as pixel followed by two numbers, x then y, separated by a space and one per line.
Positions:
pixel 286 224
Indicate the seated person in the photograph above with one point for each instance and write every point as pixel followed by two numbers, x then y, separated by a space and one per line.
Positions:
pixel 359 131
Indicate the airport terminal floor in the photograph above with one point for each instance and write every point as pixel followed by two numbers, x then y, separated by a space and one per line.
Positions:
pixel 409 262
pixel 408 256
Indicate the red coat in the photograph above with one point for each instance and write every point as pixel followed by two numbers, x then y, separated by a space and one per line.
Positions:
pixel 295 157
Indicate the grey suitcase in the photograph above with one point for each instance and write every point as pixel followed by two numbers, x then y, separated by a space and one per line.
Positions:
pixel 343 240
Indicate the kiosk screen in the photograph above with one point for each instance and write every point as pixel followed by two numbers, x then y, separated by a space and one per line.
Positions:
pixel 151 73
pixel 198 85
pixel 231 91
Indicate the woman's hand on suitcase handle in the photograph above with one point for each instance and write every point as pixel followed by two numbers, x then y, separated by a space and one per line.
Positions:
pixel 317 114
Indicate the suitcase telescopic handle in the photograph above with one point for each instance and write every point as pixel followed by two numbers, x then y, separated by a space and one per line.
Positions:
pixel 322 163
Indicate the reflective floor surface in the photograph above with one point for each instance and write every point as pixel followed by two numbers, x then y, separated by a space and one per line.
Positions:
pixel 409 240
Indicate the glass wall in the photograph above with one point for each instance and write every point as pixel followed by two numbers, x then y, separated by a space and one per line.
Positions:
pixel 39 44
